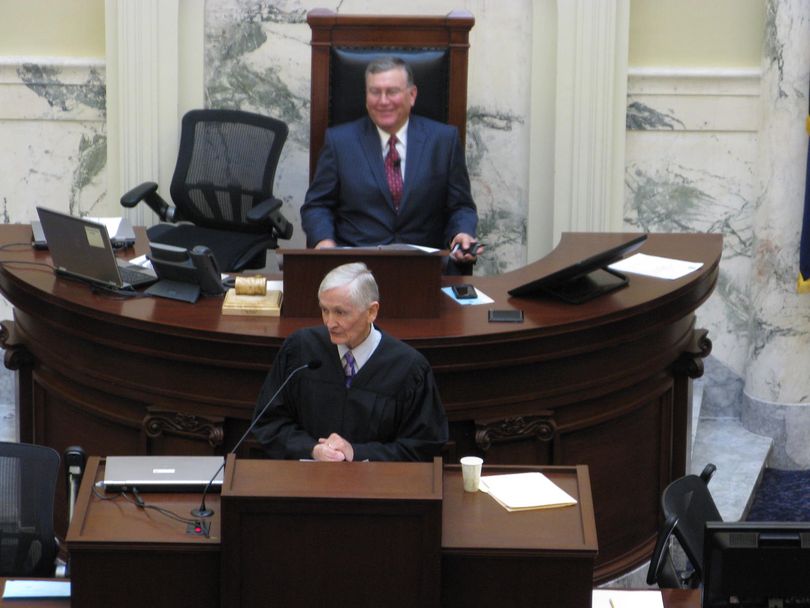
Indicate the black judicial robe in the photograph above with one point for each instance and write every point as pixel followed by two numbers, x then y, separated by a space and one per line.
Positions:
pixel 392 411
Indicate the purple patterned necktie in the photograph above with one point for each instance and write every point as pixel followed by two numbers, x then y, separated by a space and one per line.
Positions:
pixel 349 367
pixel 392 172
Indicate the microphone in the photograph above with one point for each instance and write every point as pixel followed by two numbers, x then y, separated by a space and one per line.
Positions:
pixel 202 511
pixel 397 162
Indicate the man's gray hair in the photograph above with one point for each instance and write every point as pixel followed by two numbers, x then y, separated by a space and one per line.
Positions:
pixel 363 288
pixel 383 64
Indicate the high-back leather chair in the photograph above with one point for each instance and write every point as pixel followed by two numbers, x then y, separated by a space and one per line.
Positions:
pixel 342 46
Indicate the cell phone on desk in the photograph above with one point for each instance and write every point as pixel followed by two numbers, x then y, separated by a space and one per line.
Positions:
pixel 505 316
pixel 464 291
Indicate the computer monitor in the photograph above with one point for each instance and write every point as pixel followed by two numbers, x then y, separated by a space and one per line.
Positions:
pixel 584 279
pixel 753 563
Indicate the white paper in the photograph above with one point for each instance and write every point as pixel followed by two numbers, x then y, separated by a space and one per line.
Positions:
pixel 615 598
pixel 141 261
pixel 481 299
pixel 30 588
pixel 655 266
pixel 111 223
pixel 525 491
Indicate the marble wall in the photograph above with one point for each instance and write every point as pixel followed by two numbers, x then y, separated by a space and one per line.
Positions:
pixel 725 151
pixel 258 59
pixel 54 153
pixel 777 382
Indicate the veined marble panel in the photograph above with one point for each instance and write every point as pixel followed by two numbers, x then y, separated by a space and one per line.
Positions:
pixel 52 116
pixel 780 346
pixel 690 168
pixel 257 58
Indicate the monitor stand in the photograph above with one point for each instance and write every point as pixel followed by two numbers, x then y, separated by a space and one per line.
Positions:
pixel 588 286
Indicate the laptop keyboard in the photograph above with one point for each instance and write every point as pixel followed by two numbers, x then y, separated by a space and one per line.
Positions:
pixel 135 277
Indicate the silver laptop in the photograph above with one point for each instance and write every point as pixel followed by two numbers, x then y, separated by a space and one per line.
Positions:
pixel 81 248
pixel 119 229
pixel 163 473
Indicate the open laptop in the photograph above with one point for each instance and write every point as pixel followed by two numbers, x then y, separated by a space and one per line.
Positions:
pixel 163 473
pixel 81 248
pixel 119 229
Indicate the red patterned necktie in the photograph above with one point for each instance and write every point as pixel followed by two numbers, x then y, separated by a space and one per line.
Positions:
pixel 392 171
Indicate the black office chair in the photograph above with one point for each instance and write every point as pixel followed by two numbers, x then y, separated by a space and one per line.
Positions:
pixel 28 475
pixel 222 189
pixel 687 505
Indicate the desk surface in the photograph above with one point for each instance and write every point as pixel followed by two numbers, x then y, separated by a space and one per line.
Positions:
pixel 542 315
pixel 487 527
pixel 605 383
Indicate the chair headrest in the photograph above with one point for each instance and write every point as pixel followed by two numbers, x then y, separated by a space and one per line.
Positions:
pixel 348 67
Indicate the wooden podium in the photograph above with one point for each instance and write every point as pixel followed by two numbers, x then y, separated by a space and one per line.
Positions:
pixel 334 534
pixel 409 279
pixel 317 533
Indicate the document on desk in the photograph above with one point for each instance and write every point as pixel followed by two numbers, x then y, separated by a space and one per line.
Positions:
pixel 655 266
pixel 17 589
pixel 523 491
pixel 616 598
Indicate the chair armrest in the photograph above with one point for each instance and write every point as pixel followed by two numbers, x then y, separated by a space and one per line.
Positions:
pixel 147 192
pixel 707 473
pixel 660 565
pixel 269 212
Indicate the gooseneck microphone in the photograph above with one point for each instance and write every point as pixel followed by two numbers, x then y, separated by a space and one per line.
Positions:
pixel 202 511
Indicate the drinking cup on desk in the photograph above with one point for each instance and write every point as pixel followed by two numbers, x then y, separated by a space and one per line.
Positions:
pixel 471 472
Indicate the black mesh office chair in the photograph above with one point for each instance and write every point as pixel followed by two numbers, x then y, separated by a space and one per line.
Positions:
pixel 687 505
pixel 222 188
pixel 28 476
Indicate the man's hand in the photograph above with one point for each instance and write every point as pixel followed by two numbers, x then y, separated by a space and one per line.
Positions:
pixel 325 244
pixel 463 241
pixel 333 449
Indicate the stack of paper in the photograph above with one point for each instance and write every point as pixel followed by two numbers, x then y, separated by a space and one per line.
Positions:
pixel 655 266
pixel 612 598
pixel 521 491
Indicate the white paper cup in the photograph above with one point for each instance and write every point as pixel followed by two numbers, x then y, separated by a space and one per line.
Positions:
pixel 471 472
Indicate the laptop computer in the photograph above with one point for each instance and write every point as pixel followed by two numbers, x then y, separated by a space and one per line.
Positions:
pixel 82 249
pixel 119 229
pixel 163 473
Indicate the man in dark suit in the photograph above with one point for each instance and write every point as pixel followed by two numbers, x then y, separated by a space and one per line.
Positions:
pixel 391 177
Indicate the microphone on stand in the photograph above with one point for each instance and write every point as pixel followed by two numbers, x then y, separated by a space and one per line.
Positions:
pixel 202 511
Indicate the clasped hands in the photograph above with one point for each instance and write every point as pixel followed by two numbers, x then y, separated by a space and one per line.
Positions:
pixel 333 449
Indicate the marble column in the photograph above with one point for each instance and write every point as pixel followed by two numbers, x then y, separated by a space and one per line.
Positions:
pixel 777 376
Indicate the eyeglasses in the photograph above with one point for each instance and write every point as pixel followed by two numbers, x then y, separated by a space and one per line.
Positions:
pixel 376 93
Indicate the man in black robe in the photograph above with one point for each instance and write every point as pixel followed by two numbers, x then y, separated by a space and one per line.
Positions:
pixel 379 403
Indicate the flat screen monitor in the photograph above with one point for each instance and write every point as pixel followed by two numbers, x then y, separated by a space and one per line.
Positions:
pixel 756 564
pixel 585 279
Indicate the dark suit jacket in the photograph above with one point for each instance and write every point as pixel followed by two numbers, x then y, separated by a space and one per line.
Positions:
pixel 349 200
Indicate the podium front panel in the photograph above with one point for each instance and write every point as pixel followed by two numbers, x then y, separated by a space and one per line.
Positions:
pixel 313 534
